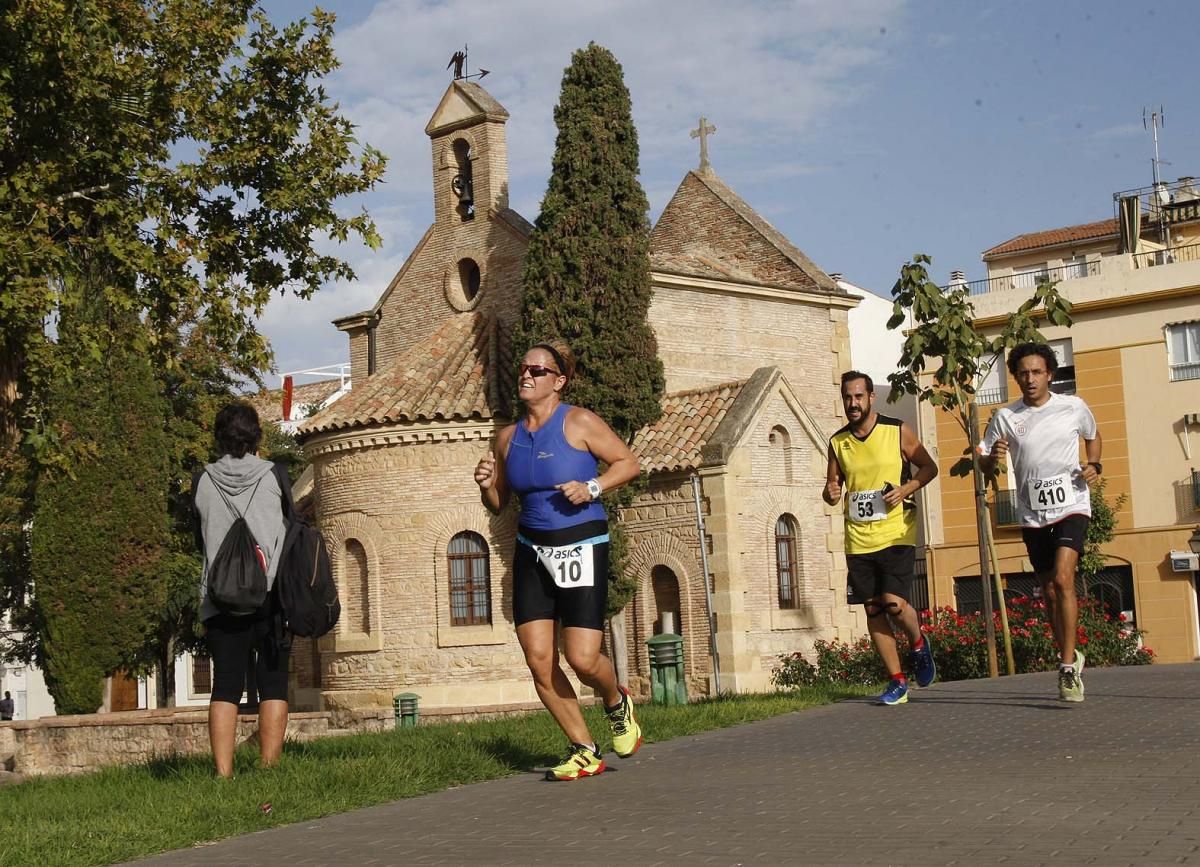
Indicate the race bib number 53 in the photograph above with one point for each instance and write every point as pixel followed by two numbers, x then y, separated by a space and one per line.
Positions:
pixel 569 565
pixel 1050 493
pixel 866 506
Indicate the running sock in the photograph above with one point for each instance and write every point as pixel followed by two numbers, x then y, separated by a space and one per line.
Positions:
pixel 592 747
pixel 901 676
pixel 1066 666
pixel 616 706
pixel 920 644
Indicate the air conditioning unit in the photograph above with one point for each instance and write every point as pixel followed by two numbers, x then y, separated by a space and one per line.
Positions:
pixel 1184 561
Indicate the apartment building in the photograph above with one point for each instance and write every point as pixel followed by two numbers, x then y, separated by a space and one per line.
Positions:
pixel 1133 353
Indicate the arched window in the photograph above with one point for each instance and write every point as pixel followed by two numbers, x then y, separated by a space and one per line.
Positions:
pixel 780 442
pixel 787 570
pixel 462 185
pixel 666 599
pixel 358 592
pixel 470 580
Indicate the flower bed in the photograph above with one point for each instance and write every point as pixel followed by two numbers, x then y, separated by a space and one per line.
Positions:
pixel 960 646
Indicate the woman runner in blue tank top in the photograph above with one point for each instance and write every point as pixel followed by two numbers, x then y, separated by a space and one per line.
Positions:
pixel 560 569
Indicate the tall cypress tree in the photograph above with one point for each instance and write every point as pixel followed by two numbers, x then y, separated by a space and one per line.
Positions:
pixel 587 270
pixel 100 528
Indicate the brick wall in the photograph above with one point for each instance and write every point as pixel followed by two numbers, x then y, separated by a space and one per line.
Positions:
pixel 696 222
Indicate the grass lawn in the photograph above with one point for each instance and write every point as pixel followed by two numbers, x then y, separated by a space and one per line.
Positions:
pixel 124 813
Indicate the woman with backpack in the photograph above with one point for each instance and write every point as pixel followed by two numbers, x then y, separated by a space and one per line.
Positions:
pixel 560 570
pixel 240 511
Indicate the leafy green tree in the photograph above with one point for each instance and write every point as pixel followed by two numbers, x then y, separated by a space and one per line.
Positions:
pixel 189 145
pixel 100 534
pixel 587 270
pixel 1100 531
pixel 940 328
pixel 183 161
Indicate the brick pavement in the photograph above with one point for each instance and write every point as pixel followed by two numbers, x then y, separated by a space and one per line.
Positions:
pixel 974 772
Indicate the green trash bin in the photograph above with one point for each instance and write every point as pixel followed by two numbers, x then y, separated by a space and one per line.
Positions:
pixel 667 685
pixel 405 707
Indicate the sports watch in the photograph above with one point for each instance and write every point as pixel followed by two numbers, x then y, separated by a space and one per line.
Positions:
pixel 1099 467
pixel 593 486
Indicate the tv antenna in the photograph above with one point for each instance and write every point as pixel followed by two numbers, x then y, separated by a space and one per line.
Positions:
pixel 1153 121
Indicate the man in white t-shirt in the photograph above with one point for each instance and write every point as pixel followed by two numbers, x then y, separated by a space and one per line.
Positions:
pixel 1041 432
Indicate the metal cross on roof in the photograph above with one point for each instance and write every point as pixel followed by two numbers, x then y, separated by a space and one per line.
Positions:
pixel 703 133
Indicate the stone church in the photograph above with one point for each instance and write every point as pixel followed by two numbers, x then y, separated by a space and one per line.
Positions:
pixel 753 337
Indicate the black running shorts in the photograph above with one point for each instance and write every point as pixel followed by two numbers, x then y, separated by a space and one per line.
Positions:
pixel 230 639
pixel 562 575
pixel 889 570
pixel 1043 543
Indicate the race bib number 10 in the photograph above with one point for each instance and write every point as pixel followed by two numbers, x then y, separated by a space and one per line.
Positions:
pixel 569 565
pixel 866 506
pixel 1051 493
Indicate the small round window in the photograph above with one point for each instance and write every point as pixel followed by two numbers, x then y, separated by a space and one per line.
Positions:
pixel 463 282
pixel 468 276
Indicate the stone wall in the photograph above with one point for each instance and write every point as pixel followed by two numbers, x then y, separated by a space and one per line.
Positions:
pixel 74 744
pixel 78 744
pixel 661 525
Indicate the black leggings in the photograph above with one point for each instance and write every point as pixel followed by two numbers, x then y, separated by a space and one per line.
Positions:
pixel 230 640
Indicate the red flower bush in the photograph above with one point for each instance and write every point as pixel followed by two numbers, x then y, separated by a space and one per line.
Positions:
pixel 960 646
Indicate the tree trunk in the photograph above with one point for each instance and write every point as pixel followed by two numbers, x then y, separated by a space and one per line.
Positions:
pixel 620 646
pixel 166 674
pixel 10 368
pixel 981 528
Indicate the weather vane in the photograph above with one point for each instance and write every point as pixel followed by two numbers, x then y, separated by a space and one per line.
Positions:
pixel 459 61
pixel 703 133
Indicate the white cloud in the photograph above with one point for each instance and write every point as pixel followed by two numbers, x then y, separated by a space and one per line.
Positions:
pixel 769 74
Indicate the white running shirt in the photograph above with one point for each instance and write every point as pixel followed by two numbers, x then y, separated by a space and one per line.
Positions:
pixel 1043 446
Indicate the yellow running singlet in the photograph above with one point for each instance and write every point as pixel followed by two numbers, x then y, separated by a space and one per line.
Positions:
pixel 869 465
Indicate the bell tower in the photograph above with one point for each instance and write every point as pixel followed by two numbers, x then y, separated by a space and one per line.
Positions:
pixel 470 155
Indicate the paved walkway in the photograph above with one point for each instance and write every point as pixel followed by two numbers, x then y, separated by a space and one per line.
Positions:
pixel 974 772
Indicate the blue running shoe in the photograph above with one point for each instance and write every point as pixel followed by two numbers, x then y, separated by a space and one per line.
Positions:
pixel 924 669
pixel 896 693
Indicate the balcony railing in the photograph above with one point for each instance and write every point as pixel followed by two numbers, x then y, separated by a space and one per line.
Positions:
pixel 1185 370
pixel 1006 508
pixel 1151 258
pixel 1029 280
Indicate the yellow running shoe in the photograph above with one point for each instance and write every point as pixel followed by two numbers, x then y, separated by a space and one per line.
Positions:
pixel 627 734
pixel 579 761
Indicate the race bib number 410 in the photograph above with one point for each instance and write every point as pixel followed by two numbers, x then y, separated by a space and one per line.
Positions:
pixel 1051 493
pixel 569 565
pixel 866 506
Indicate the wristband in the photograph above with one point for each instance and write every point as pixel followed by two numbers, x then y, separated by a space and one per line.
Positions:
pixel 593 486
pixel 1099 467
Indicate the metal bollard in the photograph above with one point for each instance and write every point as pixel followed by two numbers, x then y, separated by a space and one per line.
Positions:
pixel 667 685
pixel 405 708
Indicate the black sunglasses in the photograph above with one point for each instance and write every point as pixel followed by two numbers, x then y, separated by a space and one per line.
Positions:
pixel 537 370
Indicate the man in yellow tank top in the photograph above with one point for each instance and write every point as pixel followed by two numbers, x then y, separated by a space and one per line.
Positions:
pixel 870 459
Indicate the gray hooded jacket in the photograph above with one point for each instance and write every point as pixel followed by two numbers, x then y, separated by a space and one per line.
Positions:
pixel 236 478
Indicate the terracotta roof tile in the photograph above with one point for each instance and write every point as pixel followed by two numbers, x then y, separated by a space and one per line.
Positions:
pixel 463 371
pixel 708 230
pixel 1053 237
pixel 689 419
pixel 269 403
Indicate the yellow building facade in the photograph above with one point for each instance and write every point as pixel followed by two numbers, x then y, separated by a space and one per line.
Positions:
pixel 1132 355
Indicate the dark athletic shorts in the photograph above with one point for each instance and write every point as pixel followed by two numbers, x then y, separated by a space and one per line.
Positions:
pixel 230 639
pixel 1043 543
pixel 537 595
pixel 889 570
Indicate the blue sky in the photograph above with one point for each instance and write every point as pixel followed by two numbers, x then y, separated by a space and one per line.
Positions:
pixel 864 130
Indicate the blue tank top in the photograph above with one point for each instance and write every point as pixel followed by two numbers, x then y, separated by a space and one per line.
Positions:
pixel 541 459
